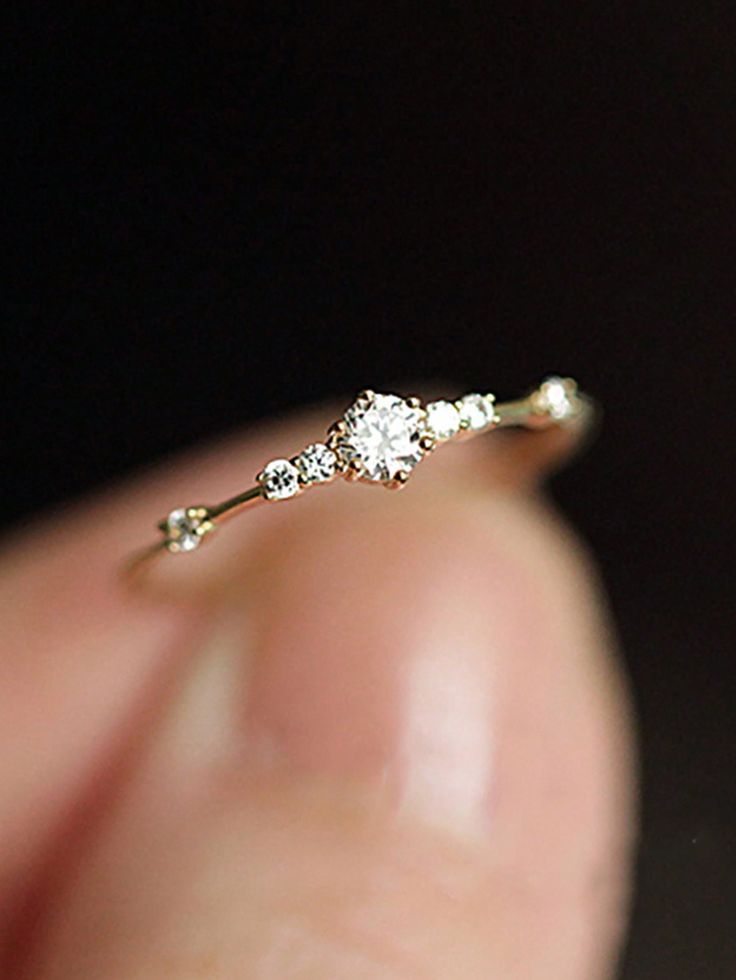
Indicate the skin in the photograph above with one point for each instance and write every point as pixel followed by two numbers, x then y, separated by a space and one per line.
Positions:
pixel 362 734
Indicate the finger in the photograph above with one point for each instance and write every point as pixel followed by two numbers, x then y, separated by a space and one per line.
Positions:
pixel 399 750
pixel 83 662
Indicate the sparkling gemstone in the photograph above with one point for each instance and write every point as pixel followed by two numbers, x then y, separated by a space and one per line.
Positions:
pixel 443 420
pixel 182 530
pixel 317 463
pixel 476 411
pixel 382 437
pixel 558 397
pixel 279 479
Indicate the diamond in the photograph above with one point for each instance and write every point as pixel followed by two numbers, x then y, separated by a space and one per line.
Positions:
pixel 558 397
pixel 317 463
pixel 182 530
pixel 443 420
pixel 279 479
pixel 381 437
pixel 476 411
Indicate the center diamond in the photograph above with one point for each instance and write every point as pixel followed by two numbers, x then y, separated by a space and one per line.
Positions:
pixel 381 437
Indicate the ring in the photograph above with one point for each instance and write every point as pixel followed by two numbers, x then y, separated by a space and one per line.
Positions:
pixel 380 439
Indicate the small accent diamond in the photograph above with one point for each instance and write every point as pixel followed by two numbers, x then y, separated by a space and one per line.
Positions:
pixel 317 463
pixel 181 530
pixel 558 397
pixel 476 411
pixel 443 420
pixel 279 479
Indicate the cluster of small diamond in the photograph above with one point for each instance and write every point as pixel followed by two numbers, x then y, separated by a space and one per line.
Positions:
pixel 471 413
pixel 379 437
pixel 284 478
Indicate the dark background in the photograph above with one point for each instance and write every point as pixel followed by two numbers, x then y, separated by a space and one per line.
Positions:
pixel 218 212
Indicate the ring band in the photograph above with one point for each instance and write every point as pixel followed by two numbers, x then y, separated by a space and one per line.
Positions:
pixel 380 439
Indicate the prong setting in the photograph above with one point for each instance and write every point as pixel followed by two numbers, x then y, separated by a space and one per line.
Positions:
pixel 380 435
pixel 557 398
pixel 443 420
pixel 185 528
pixel 279 480
pixel 477 412
pixel 316 464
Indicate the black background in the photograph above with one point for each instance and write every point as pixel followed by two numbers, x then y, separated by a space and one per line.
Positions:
pixel 220 211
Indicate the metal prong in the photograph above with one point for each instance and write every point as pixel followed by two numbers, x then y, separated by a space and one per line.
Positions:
pixel 398 481
pixel 301 478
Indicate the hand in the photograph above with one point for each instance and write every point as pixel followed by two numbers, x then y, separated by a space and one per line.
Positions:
pixel 358 735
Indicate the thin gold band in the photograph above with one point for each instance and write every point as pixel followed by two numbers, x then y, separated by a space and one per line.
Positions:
pixel 407 431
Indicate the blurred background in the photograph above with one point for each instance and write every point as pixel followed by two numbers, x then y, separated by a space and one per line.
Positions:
pixel 221 211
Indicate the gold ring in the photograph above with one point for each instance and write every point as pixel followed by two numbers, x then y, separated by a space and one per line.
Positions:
pixel 379 439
